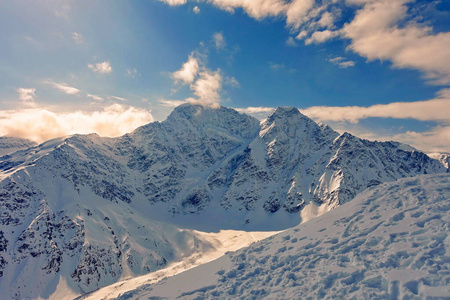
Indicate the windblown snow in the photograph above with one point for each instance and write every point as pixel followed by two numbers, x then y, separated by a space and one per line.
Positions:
pixel 390 242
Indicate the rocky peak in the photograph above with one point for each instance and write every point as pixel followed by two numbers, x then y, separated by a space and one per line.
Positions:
pixel 194 117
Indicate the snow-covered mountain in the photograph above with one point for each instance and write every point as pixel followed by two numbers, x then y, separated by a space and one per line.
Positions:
pixel 84 211
pixel 390 242
pixel 12 144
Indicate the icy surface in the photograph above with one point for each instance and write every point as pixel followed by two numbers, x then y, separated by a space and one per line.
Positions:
pixel 390 242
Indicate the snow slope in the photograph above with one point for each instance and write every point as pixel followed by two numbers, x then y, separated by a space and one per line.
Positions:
pixel 10 145
pixel 83 212
pixel 390 242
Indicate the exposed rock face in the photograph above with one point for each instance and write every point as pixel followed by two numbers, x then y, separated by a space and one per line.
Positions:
pixel 93 210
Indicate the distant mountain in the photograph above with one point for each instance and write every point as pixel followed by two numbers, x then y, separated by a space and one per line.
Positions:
pixel 12 144
pixel 390 242
pixel 444 158
pixel 85 211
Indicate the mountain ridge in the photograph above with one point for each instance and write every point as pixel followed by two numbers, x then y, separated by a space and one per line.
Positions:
pixel 203 168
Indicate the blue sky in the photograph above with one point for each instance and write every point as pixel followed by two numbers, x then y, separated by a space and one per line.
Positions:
pixel 379 69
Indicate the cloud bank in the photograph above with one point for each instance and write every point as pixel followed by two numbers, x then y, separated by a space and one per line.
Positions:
pixel 437 139
pixel 40 124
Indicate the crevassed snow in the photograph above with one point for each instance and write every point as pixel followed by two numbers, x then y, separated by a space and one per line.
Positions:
pixel 390 242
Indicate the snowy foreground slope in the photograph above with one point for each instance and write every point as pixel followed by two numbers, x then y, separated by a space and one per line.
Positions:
pixel 390 242
pixel 82 212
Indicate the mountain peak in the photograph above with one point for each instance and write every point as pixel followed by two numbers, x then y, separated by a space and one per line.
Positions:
pixel 201 117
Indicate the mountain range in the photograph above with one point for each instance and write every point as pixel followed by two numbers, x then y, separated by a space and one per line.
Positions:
pixel 84 211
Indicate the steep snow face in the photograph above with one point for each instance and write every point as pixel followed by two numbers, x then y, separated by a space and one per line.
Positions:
pixel 85 211
pixel 390 242
pixel 10 145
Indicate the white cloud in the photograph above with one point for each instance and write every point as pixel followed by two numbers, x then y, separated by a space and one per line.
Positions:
pixel 95 97
pixel 435 140
pixel 326 20
pixel 27 96
pixel 171 103
pixel 430 110
pixel 257 112
pixel 118 98
pixel 231 81
pixel 188 71
pixel 219 40
pixel 102 68
pixel 174 2
pixel 196 10
pixel 275 66
pixel 375 33
pixel 207 87
pixel 291 42
pixel 63 87
pixel 321 36
pixel 297 12
pixel 257 9
pixel 132 73
pixel 41 124
pixel 342 62
pixel 381 29
pixel 77 37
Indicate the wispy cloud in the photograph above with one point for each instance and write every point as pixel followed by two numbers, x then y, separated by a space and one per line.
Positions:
pixel 207 87
pixel 27 96
pixel 219 40
pixel 63 87
pixel 188 71
pixel 435 140
pixel 118 98
pixel 318 37
pixel 259 112
pixel 430 110
pixel 275 66
pixel 342 62
pixel 132 73
pixel 291 42
pixel 196 10
pixel 95 97
pixel 102 67
pixel 171 103
pixel 78 37
pixel 174 2
pixel 41 124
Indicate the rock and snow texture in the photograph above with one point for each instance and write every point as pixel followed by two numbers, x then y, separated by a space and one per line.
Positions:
pixel 390 242
pixel 84 211
pixel 10 145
